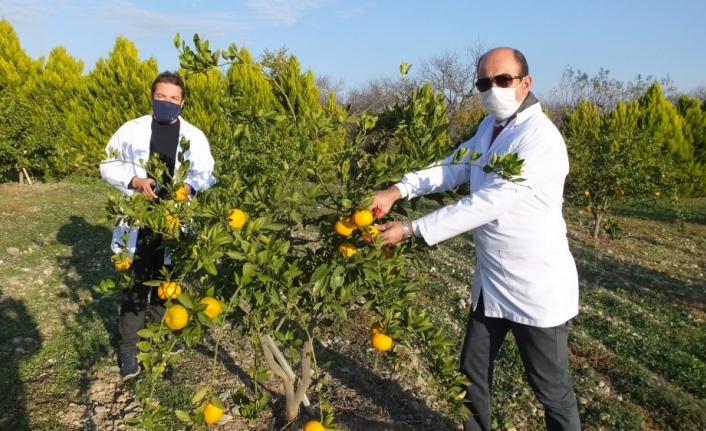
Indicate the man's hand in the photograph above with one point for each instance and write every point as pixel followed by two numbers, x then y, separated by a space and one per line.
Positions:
pixel 144 187
pixel 383 201
pixel 188 189
pixel 391 232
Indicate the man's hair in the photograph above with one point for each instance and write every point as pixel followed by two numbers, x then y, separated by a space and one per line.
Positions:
pixel 170 78
pixel 519 58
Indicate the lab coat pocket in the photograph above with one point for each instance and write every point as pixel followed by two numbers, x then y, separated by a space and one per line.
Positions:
pixel 123 234
pixel 531 272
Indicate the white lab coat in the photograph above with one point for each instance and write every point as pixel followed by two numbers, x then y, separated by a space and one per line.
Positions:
pixel 524 265
pixel 132 141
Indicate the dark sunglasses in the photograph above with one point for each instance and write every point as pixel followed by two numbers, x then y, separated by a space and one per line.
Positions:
pixel 503 81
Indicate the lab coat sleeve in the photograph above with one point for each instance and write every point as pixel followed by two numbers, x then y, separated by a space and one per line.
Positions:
pixel 439 177
pixel 117 168
pixel 200 174
pixel 544 153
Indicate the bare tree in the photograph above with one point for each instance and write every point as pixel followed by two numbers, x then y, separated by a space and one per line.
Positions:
pixel 448 75
pixel 374 95
pixel 699 92
pixel 329 85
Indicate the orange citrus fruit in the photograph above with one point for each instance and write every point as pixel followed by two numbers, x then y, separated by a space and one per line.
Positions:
pixel 122 265
pixel 370 232
pixel 587 193
pixel 212 413
pixel 657 194
pixel 213 307
pixel 363 218
pixel 344 227
pixel 172 222
pixel 589 210
pixel 314 426
pixel 236 218
pixel 180 194
pixel 168 290
pixel 381 341
pixel 176 317
pixel 376 328
pixel 347 249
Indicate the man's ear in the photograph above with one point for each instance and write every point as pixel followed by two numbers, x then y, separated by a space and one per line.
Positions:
pixel 527 82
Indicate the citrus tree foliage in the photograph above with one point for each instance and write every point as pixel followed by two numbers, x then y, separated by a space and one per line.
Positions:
pixel 115 91
pixel 22 143
pixel 29 122
pixel 614 159
pixel 281 253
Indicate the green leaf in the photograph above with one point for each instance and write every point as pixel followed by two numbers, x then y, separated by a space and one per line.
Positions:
pixel 319 273
pixel 185 300
pixel 182 415
pixel 274 226
pixel 145 333
pixel 236 255
pixel 144 346
pixel 209 266
pixel 217 402
pixel 248 271
pixel 198 396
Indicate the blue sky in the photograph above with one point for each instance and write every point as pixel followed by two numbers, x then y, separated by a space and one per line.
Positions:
pixel 361 40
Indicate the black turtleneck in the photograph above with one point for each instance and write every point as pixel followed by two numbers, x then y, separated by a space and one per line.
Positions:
pixel 164 142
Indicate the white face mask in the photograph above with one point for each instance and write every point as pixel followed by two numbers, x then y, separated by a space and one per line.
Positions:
pixel 500 103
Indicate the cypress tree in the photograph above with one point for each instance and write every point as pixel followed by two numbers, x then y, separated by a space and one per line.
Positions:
pixel 694 126
pixel 660 119
pixel 246 77
pixel 15 65
pixel 115 91
pixel 206 107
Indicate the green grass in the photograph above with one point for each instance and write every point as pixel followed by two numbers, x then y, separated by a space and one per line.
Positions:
pixel 637 345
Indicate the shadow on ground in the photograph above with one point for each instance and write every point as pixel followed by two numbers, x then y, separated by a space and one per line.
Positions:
pixel 19 341
pixel 92 328
pixel 361 397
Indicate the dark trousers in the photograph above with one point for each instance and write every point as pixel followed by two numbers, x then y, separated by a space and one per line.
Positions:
pixel 148 261
pixel 545 355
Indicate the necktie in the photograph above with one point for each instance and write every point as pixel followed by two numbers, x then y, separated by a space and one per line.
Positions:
pixel 496 131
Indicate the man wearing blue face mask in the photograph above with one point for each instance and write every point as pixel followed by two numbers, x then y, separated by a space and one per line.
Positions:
pixel 525 281
pixel 159 133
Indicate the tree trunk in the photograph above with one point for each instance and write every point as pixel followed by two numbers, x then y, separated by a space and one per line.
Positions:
pixel 29 179
pixel 597 224
pixel 277 363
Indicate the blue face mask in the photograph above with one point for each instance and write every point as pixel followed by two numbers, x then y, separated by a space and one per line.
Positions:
pixel 165 112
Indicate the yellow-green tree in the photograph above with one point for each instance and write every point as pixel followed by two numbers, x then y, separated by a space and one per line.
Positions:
pixel 246 77
pixel 15 65
pixel 660 119
pixel 695 132
pixel 205 105
pixel 115 91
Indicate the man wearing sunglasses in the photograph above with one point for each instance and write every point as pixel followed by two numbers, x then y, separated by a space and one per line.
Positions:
pixel 525 281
